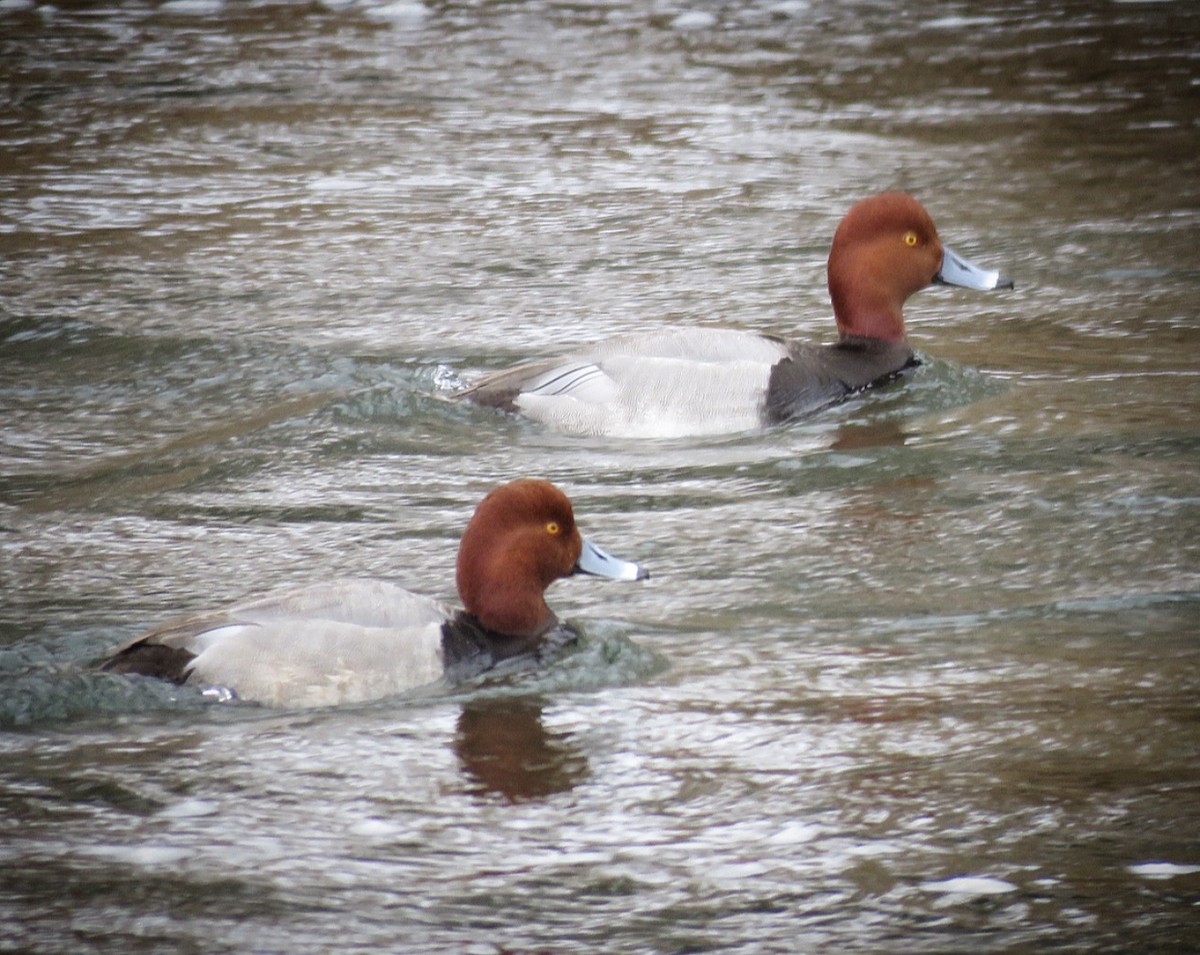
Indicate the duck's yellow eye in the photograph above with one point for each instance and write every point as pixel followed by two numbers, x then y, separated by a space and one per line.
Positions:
pixel 552 527
pixel 910 239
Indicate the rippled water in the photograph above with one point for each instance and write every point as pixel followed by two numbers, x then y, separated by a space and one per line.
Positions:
pixel 919 674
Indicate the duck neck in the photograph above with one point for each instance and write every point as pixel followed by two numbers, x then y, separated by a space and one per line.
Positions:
pixel 868 316
pixel 504 589
pixel 513 613
pixel 863 305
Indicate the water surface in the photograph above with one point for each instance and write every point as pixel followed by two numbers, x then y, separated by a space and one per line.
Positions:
pixel 919 674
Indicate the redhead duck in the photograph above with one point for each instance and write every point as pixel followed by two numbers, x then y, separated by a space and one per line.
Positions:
pixel 692 381
pixel 354 640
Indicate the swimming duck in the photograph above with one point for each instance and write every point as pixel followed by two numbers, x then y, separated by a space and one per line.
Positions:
pixel 354 640
pixel 691 381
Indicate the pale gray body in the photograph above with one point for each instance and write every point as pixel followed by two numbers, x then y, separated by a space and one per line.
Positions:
pixel 343 641
pixel 695 381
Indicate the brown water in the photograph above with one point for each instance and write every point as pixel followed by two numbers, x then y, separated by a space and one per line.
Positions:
pixel 918 675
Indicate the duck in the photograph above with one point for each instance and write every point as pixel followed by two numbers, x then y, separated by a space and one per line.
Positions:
pixel 354 640
pixel 701 381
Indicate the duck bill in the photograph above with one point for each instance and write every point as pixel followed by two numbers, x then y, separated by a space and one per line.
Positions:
pixel 956 270
pixel 600 563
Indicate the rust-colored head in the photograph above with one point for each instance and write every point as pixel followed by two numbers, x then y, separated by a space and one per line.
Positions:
pixel 520 540
pixel 884 250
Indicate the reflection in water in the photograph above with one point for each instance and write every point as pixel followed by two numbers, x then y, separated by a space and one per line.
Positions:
pixel 503 746
pixel 877 434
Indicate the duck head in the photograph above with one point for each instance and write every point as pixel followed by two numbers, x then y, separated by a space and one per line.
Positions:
pixel 885 249
pixel 521 538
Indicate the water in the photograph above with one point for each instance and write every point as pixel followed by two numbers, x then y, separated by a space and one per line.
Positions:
pixel 917 675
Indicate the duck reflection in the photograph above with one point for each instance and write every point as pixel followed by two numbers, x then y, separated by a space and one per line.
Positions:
pixel 853 437
pixel 504 748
